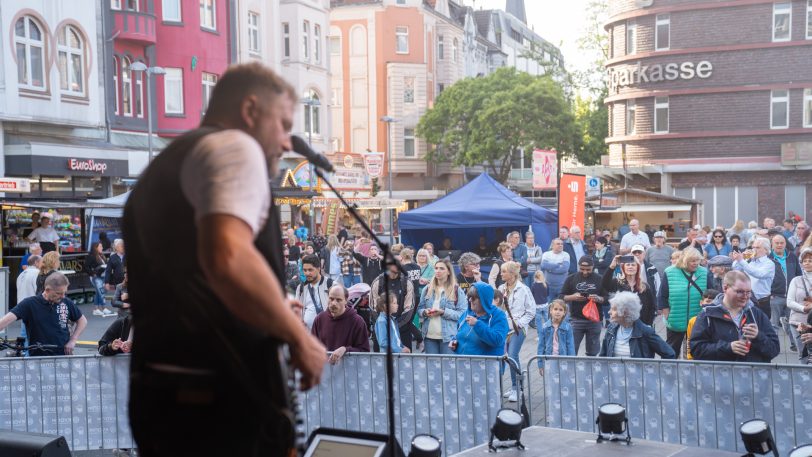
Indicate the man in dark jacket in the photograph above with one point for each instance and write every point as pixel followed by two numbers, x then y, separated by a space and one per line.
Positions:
pixel 114 274
pixel 787 268
pixel 732 329
pixel 564 234
pixel 371 265
pixel 578 289
pixel 116 338
pixel 339 328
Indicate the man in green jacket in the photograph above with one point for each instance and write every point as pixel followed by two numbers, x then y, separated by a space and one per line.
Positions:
pixel 680 294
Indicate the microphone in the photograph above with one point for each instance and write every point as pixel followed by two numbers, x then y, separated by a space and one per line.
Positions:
pixel 301 147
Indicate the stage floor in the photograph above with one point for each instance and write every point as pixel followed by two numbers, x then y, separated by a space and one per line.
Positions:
pixel 568 443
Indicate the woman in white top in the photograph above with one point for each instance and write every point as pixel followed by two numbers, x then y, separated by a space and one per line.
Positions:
pixel 332 258
pixel 799 299
pixel 441 305
pixel 520 308
pixel 45 235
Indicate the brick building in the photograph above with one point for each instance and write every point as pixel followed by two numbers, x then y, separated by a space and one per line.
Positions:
pixel 713 101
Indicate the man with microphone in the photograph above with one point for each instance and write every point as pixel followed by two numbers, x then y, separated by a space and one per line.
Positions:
pixel 209 325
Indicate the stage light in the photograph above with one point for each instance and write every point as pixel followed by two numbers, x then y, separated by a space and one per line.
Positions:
pixel 425 446
pixel 804 450
pixel 612 421
pixel 757 437
pixel 507 427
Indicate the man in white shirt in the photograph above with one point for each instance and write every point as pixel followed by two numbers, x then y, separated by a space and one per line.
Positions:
pixel 577 243
pixel 27 281
pixel 760 269
pixel 45 235
pixel 313 293
pixel 634 237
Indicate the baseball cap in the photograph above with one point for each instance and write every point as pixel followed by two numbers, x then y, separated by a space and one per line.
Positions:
pixel 638 247
pixel 659 234
pixel 586 261
pixel 720 261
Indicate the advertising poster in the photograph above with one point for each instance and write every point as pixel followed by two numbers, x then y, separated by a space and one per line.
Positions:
pixel 571 200
pixel 545 170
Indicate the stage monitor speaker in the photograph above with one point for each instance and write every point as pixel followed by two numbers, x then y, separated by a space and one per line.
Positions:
pixel 24 444
pixel 332 442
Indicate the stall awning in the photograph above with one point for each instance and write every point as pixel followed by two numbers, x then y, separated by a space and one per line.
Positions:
pixel 644 209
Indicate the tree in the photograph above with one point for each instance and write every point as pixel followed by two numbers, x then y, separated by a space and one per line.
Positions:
pixel 483 121
pixel 592 119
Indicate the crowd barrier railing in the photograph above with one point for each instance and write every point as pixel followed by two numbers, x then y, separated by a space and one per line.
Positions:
pixel 694 403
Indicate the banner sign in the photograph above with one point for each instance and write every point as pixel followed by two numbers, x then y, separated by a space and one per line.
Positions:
pixel 14 185
pixel 545 169
pixel 330 221
pixel 571 200
pixel 373 163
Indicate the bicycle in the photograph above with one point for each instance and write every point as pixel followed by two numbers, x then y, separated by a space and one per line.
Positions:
pixel 18 347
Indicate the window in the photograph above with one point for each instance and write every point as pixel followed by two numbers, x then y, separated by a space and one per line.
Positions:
pixel 170 10
pixel 305 39
pixel 779 109
pixel 662 37
pixel 809 20
pixel 253 32
pixel 631 109
pixel 440 48
pixel 311 113
pixel 29 43
pixel 408 89
pixel 402 40
pixel 782 21
pixel 455 45
pixel 631 38
pixel 335 45
pixel 408 142
pixel 138 95
pixel 336 100
pixel 126 87
pixel 286 38
pixel 660 114
pixel 209 81
pixel 317 43
pixel 807 107
pixel 401 2
pixel 173 91
pixel 70 49
pixel 115 4
pixel 115 84
pixel 208 14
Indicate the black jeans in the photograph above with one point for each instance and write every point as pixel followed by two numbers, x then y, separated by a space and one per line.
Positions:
pixel 675 339
pixel 764 305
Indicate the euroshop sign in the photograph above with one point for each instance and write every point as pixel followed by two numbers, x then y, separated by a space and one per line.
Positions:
pixel 90 165
pixel 632 75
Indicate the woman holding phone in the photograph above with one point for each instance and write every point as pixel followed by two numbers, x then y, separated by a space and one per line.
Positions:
pixel 631 280
pixel 441 305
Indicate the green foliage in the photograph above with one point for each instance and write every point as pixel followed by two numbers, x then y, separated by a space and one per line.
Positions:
pixel 592 118
pixel 482 121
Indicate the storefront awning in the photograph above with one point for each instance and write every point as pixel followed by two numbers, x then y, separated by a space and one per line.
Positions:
pixel 66 159
pixel 644 209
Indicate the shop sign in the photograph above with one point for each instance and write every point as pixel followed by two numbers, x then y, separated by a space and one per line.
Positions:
pixel 628 76
pixel 91 165
pixel 348 161
pixel 794 154
pixel 609 201
pixel 350 179
pixel 373 163
pixel 545 169
pixel 15 185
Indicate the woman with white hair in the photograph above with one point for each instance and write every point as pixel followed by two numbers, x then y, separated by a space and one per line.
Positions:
pixel 627 335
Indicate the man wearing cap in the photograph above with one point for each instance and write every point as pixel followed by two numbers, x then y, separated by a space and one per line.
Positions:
pixel 634 237
pixel 578 289
pixel 659 255
pixel 719 266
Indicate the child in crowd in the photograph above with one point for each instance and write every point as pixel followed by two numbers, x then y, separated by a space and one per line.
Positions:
pixel 555 335
pixel 539 290
pixel 380 325
pixel 499 299
pixel 707 299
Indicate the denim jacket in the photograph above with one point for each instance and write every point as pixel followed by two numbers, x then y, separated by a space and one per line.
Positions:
pixel 452 310
pixel 566 340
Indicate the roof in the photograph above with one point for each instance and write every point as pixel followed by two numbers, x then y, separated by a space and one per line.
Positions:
pixel 630 195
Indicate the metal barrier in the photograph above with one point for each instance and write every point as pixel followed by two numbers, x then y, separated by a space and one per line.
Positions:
pixel 695 403
pixel 83 398
pixel 451 397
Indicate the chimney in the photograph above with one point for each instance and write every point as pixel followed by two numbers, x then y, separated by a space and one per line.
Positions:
pixel 516 8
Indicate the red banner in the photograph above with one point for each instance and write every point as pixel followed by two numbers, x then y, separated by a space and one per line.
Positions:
pixel 571 200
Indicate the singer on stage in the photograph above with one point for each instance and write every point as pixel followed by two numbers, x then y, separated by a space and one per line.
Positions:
pixel 204 258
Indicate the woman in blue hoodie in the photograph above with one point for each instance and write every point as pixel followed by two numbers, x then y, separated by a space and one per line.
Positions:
pixel 482 330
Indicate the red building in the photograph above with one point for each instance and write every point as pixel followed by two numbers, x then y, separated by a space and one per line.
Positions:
pixel 189 39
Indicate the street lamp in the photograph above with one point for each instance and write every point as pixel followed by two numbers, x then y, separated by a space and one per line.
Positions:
pixel 389 120
pixel 310 102
pixel 139 67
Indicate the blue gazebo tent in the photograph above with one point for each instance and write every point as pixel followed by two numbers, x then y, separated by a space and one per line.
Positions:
pixel 479 208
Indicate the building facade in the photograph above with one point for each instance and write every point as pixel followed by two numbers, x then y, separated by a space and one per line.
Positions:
pixel 713 101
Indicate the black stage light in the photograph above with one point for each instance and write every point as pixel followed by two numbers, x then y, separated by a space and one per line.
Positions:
pixel 804 450
pixel 507 427
pixel 425 446
pixel 26 444
pixel 757 437
pixel 612 421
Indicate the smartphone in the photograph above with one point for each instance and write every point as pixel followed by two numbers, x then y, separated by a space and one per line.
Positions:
pixel 584 294
pixel 627 259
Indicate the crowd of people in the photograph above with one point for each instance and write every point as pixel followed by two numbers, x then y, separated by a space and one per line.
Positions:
pixel 722 294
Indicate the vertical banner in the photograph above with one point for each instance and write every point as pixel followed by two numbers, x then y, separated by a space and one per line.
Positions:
pixel 330 216
pixel 545 170
pixel 571 200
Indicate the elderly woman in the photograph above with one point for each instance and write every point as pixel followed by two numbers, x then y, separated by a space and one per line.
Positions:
pixel 680 294
pixel 627 335
pixel 423 260
pixel 521 309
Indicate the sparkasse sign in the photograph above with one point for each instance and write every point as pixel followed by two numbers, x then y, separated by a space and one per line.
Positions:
pixel 628 76
pixel 87 165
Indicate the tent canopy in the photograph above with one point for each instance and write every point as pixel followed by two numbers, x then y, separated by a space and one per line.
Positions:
pixel 477 209
pixel 113 206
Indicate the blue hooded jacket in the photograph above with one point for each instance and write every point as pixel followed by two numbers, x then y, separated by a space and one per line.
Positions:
pixel 488 336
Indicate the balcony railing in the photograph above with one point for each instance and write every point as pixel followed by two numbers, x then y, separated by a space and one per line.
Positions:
pixel 134 26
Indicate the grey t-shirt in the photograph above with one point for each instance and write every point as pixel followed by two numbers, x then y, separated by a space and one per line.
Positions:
pixel 659 257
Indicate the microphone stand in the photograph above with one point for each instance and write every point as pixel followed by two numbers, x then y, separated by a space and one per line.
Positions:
pixel 388 260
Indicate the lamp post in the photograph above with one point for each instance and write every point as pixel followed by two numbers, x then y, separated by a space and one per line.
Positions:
pixel 309 103
pixel 389 120
pixel 139 67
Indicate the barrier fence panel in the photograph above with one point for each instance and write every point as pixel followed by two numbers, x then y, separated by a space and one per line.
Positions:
pixel 694 403
pixel 453 398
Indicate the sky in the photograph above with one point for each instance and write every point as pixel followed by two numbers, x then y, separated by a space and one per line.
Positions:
pixel 561 22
